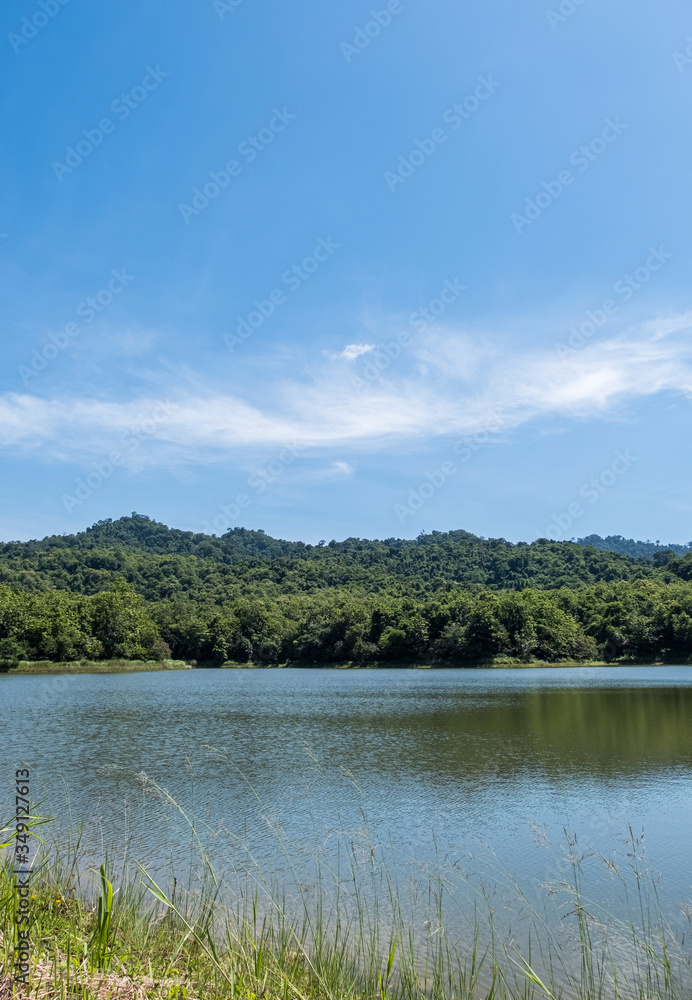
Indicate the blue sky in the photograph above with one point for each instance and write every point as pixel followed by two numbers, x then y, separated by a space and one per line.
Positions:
pixel 334 270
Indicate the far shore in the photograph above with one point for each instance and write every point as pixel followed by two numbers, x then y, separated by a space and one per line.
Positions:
pixel 119 666
pixel 90 666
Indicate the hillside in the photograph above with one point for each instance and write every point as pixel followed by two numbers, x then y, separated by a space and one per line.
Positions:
pixel 161 562
pixel 136 589
pixel 652 551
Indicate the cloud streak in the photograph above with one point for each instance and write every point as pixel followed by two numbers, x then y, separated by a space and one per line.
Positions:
pixel 445 385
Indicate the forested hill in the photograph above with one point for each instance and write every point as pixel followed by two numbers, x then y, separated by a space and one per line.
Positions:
pixel 165 563
pixel 654 551
pixel 136 589
pixel 140 533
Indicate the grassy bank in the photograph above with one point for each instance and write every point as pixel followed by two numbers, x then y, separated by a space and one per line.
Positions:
pixel 89 666
pixel 138 666
pixel 496 663
pixel 351 934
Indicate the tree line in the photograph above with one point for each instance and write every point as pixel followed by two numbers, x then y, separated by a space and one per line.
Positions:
pixel 644 619
pixel 160 563
pixel 135 589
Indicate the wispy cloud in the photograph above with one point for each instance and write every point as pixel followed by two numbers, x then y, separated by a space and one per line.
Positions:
pixel 445 386
pixel 332 474
pixel 353 351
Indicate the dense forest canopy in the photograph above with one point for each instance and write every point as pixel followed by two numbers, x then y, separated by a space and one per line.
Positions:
pixel 654 551
pixel 161 562
pixel 138 589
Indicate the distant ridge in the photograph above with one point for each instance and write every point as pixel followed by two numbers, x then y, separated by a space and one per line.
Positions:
pixel 140 533
pixel 637 550
pixel 159 563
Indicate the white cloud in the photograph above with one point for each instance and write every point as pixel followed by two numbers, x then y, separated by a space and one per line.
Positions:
pixel 353 351
pixel 334 473
pixel 190 424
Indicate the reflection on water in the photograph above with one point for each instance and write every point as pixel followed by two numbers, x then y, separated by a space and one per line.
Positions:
pixel 274 762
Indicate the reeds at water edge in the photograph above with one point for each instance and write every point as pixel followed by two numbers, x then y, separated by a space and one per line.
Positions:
pixel 354 931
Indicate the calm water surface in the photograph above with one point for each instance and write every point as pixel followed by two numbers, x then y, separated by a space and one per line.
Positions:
pixel 479 769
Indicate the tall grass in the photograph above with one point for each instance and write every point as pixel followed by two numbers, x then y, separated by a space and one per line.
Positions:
pixel 355 930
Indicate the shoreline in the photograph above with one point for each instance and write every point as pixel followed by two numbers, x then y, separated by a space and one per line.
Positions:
pixel 41 667
pixel 507 664
pixel 121 666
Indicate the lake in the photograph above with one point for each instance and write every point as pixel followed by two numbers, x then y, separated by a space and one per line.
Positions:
pixel 475 773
